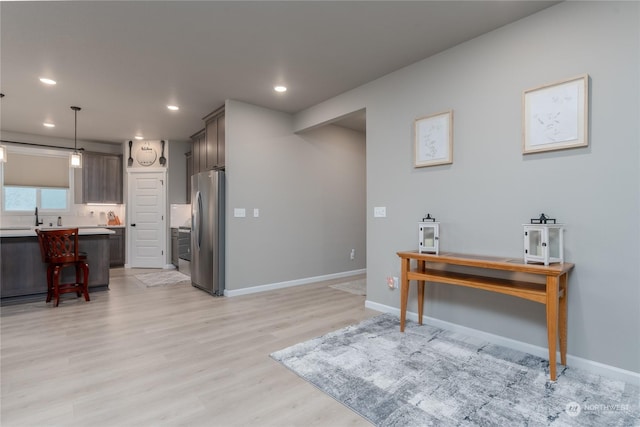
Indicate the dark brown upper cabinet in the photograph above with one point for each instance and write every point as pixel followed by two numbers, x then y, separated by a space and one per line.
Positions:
pixel 215 139
pixel 101 179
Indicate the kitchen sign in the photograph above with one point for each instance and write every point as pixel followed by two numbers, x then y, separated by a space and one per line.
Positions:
pixel 145 154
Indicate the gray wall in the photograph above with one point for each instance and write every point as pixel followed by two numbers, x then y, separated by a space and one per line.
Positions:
pixel 491 189
pixel 177 171
pixel 310 190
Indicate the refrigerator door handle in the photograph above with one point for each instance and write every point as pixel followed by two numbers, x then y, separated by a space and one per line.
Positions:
pixel 198 219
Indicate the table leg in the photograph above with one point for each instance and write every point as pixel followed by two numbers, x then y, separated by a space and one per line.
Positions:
pixel 404 291
pixel 420 293
pixel 552 322
pixel 562 318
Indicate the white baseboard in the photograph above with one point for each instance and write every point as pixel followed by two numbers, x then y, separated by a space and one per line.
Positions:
pixel 290 283
pixel 608 371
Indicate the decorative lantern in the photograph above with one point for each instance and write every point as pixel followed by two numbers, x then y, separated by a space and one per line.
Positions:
pixel 543 241
pixel 429 235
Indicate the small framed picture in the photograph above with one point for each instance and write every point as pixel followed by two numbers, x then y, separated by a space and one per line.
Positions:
pixel 556 116
pixel 434 139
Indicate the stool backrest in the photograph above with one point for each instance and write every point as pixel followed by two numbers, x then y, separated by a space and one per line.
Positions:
pixel 58 246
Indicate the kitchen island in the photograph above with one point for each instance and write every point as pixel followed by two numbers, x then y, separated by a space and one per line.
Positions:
pixel 23 274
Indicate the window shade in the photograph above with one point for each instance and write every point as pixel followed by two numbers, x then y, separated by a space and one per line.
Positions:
pixel 37 171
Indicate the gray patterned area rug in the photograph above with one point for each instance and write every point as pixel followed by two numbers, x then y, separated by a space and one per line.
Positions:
pixel 162 278
pixel 433 377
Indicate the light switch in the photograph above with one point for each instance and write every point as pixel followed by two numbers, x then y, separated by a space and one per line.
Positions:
pixel 380 212
pixel 256 212
pixel 239 212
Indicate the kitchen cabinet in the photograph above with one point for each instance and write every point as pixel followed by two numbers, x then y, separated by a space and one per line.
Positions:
pixel 100 179
pixel 198 152
pixel 24 275
pixel 221 140
pixel 207 147
pixel 117 247
pixel 180 245
pixel 174 247
pixel 189 158
pixel 211 138
pixel 184 244
pixel 215 139
pixel 17 280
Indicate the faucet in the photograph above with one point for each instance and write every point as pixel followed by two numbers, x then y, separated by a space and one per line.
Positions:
pixel 37 221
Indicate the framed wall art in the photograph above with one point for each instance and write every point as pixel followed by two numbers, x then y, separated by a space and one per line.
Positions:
pixel 434 139
pixel 556 116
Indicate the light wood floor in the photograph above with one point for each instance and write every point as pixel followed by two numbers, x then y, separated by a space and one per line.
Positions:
pixel 173 355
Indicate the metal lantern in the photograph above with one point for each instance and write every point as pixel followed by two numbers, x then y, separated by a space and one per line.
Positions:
pixel 543 241
pixel 429 235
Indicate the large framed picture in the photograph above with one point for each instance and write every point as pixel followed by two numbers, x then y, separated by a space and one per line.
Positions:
pixel 434 139
pixel 556 116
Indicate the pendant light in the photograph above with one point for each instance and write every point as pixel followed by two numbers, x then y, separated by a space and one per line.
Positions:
pixel 75 161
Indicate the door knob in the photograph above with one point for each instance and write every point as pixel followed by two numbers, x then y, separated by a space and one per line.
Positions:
pixel 133 225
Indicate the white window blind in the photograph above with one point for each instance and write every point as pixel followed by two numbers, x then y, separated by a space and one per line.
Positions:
pixel 37 171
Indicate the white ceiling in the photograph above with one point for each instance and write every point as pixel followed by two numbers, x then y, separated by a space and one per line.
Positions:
pixel 122 62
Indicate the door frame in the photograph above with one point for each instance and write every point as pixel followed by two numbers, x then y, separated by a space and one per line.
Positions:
pixel 130 194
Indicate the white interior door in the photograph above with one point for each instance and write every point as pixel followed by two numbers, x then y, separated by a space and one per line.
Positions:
pixel 146 219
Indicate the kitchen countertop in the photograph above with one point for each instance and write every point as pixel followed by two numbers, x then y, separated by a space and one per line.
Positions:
pixel 31 231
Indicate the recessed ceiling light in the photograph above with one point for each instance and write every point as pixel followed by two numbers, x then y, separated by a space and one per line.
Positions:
pixel 280 88
pixel 139 137
pixel 47 81
pixel 173 107
pixel 49 125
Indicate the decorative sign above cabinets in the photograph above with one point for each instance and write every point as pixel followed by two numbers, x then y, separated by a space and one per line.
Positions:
pixel 145 154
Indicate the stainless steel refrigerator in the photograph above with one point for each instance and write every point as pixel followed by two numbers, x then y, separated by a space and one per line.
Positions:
pixel 207 231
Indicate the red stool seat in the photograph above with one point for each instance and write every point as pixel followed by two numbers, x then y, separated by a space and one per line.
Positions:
pixel 59 249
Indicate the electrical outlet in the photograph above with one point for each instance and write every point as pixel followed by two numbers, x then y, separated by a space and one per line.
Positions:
pixel 392 282
pixel 352 256
pixel 380 212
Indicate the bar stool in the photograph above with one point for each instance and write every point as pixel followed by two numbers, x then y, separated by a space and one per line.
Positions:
pixel 59 249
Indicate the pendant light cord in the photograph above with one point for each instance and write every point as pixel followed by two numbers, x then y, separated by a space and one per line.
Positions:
pixel 75 128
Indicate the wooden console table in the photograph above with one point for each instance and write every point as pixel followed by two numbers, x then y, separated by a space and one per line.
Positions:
pixel 553 293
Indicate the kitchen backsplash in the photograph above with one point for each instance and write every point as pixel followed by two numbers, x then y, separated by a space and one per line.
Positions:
pixel 80 215
pixel 180 215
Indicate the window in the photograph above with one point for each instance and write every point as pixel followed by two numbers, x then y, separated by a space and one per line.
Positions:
pixel 20 199
pixel 36 178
